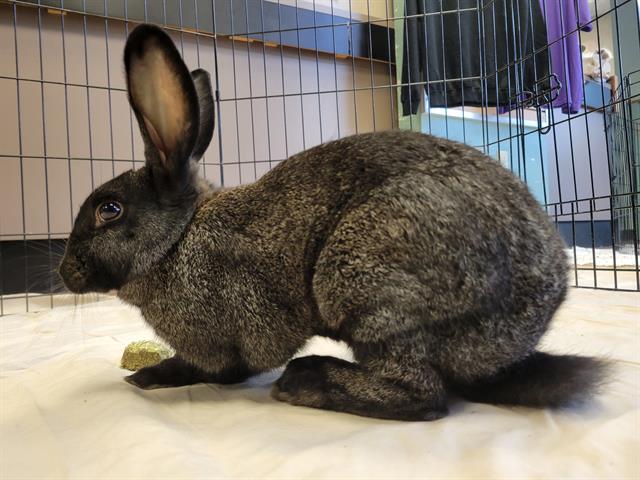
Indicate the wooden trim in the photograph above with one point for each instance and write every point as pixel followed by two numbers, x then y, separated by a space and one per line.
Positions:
pixel 284 25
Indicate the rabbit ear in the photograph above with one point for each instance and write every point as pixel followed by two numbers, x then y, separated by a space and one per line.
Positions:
pixel 202 83
pixel 164 98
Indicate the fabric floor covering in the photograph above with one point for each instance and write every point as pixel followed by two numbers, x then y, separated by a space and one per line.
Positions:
pixel 65 412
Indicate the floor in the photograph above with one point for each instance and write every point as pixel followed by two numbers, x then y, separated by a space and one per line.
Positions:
pixel 66 412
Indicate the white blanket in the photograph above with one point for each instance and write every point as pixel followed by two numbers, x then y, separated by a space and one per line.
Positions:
pixel 66 413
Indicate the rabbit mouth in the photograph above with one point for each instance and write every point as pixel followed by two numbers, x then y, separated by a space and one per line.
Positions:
pixel 77 278
pixel 70 271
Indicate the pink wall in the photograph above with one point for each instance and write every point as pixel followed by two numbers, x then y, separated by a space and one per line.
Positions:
pixel 78 158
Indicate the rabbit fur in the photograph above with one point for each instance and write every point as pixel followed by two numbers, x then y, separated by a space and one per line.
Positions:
pixel 433 262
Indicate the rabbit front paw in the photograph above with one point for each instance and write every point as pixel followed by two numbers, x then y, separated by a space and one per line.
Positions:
pixel 172 372
pixel 146 379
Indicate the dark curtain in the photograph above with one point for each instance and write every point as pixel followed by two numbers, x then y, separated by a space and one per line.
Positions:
pixel 473 54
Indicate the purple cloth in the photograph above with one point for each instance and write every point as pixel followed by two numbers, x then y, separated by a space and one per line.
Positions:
pixel 564 17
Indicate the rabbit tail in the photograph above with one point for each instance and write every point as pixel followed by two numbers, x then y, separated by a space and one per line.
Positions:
pixel 540 380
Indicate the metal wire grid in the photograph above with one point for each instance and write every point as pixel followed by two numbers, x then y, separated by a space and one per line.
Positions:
pixel 362 91
pixel 623 139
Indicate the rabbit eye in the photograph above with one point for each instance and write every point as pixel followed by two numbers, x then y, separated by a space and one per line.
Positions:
pixel 109 211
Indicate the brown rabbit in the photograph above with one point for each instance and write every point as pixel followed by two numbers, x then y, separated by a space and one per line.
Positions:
pixel 429 259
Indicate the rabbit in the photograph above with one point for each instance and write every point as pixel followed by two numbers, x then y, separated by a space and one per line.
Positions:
pixel 597 65
pixel 429 259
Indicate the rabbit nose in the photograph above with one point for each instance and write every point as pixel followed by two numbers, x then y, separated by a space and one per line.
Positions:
pixel 69 271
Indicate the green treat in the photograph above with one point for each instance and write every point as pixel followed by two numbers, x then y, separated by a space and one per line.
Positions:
pixel 143 354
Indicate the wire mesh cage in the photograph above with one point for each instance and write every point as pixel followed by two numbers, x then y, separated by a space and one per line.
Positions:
pixel 623 137
pixel 508 77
